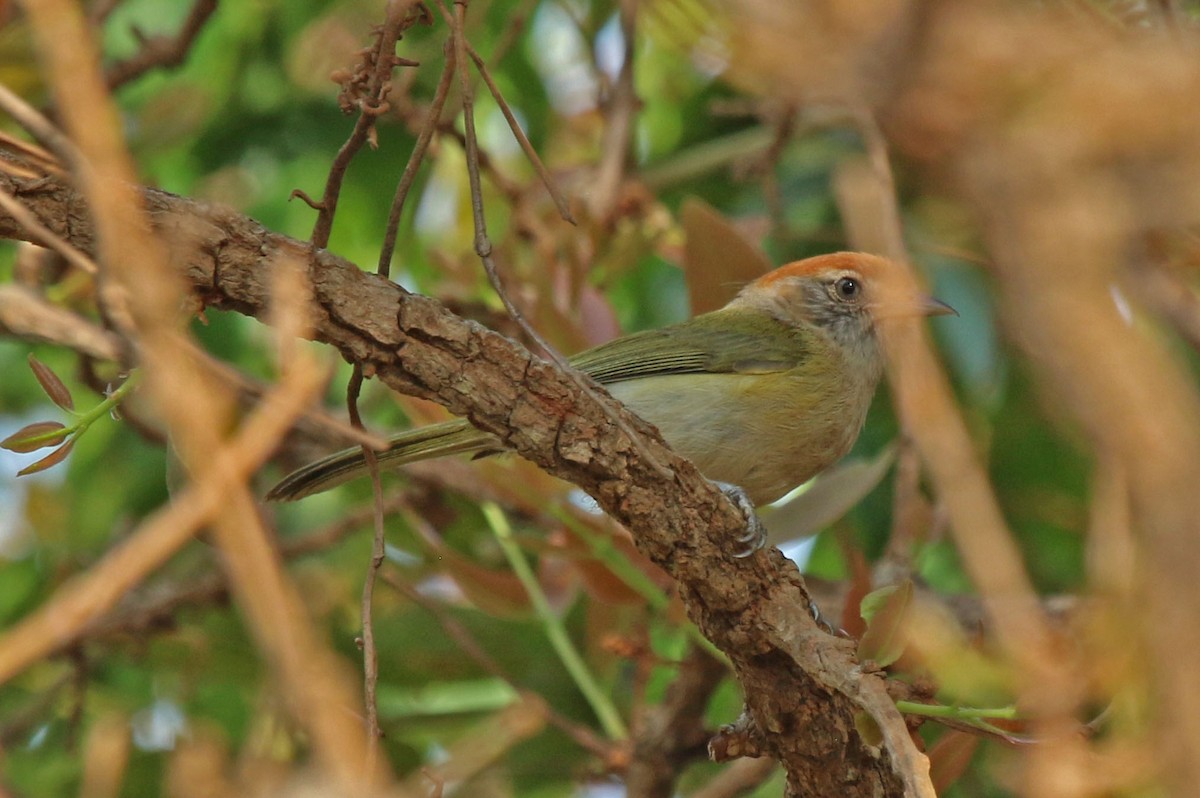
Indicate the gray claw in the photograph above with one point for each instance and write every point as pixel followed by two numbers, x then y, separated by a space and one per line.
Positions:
pixel 756 534
pixel 820 618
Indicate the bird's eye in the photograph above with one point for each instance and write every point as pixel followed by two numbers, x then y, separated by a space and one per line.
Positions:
pixel 847 288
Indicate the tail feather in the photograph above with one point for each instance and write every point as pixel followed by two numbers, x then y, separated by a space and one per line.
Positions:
pixel 423 443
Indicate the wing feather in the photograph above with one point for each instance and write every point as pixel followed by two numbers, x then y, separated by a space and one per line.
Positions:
pixel 725 341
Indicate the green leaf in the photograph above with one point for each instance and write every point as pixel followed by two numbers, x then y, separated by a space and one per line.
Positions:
pixel 885 638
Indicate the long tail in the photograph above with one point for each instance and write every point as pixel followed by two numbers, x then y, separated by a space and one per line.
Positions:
pixel 422 443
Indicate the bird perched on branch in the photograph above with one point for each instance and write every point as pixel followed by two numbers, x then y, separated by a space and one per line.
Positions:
pixel 762 394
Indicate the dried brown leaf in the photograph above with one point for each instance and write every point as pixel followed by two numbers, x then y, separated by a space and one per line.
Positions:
pixel 51 384
pixel 50 460
pixel 717 259
pixel 30 437
pixel 950 756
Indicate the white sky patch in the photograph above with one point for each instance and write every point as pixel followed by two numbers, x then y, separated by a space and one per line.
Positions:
pixel 583 501
pixel 497 137
pixel 610 790
pixel 610 47
pixel 158 726
pixel 799 551
pixel 561 56
pixel 437 212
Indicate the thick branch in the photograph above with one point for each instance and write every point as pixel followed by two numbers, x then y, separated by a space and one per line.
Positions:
pixel 801 684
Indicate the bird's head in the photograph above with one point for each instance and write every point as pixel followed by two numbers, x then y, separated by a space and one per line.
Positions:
pixel 843 294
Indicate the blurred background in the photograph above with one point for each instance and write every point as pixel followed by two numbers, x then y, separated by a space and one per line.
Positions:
pixel 1041 169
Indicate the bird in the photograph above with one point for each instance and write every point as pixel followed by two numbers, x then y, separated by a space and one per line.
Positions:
pixel 761 395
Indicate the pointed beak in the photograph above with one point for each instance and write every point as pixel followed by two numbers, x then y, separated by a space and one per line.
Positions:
pixel 930 306
pixel 913 306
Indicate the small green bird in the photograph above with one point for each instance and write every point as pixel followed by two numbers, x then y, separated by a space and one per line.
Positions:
pixel 762 394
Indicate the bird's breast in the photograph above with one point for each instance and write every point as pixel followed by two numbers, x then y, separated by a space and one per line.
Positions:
pixel 766 433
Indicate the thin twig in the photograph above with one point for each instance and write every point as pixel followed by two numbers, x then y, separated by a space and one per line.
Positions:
pixel 156 51
pixel 370 652
pixel 564 209
pixel 509 188
pixel 26 314
pixel 535 160
pixel 620 113
pixel 428 128
pixel 516 22
pixel 370 108
pixel 39 126
pixel 32 152
pixel 483 245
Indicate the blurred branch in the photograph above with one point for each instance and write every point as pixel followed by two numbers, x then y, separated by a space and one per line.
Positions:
pixel 671 734
pixel 484 743
pixel 365 88
pixel 88 596
pixel 535 160
pixel 25 314
pixel 740 778
pixel 142 292
pixel 930 416
pixel 404 185
pixel 1161 288
pixel 620 117
pixel 156 607
pixel 161 51
pixel 106 753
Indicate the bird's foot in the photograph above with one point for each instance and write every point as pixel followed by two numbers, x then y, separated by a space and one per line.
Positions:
pixel 742 738
pixel 756 533
pixel 817 616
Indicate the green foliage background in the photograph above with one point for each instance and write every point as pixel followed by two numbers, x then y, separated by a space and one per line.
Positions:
pixel 250 117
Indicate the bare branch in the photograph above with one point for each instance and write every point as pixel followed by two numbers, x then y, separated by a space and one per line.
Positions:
pixel 162 51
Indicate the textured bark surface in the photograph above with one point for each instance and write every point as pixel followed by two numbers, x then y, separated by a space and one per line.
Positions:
pixel 803 687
